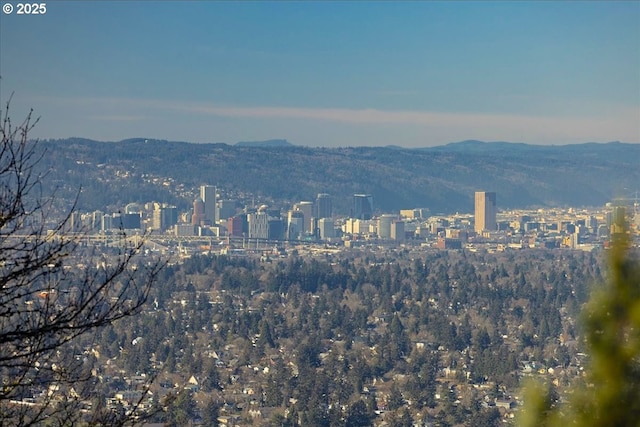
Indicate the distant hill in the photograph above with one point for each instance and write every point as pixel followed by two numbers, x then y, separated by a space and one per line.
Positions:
pixel 474 146
pixel 440 178
pixel 267 143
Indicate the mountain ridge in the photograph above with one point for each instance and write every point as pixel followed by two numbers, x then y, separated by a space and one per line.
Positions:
pixel 442 178
pixel 265 143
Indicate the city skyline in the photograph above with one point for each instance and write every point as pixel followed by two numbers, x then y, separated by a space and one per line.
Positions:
pixel 567 227
pixel 327 73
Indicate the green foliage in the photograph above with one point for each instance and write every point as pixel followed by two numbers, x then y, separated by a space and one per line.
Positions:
pixel 182 408
pixel 210 413
pixel 485 418
pixel 358 415
pixel 395 400
pixel 610 395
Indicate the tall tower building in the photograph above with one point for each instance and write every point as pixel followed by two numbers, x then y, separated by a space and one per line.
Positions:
pixel 226 209
pixel 619 221
pixel 258 224
pixel 485 214
pixel 208 194
pixel 326 228
pixel 362 206
pixel 164 216
pixel 397 231
pixel 307 209
pixel 323 206
pixel 295 224
pixel 384 225
pixel 198 212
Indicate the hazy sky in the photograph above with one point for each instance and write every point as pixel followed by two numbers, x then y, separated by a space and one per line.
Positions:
pixel 327 73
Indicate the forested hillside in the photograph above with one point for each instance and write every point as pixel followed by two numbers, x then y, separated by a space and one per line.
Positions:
pixel 442 178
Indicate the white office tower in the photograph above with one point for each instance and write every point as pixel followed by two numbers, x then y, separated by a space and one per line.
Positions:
pixel 295 225
pixel 384 225
pixel 398 231
pixel 307 209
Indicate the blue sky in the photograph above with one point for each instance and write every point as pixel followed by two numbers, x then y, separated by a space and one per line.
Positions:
pixel 327 73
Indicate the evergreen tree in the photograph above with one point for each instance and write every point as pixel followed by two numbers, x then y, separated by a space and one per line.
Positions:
pixel 358 416
pixel 612 327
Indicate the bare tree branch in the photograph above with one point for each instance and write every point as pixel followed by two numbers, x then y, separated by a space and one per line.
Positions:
pixel 53 290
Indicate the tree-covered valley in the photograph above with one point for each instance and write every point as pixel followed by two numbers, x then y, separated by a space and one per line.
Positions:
pixel 399 338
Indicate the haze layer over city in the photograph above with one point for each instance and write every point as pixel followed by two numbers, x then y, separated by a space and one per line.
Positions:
pixel 411 74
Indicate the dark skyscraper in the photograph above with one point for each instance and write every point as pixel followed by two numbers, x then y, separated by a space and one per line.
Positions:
pixel 208 194
pixel 323 206
pixel 362 206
